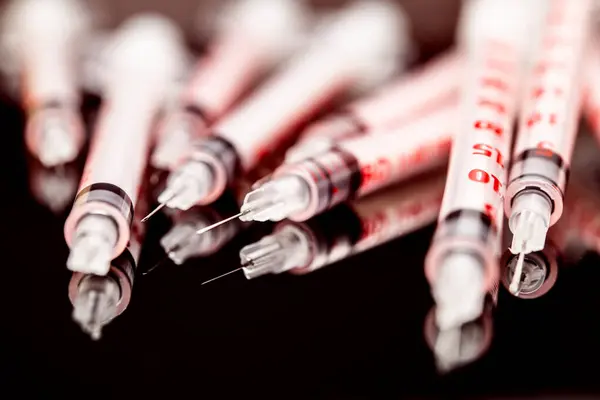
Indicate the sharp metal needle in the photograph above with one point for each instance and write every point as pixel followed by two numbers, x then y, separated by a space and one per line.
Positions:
pixel 220 276
pixel 244 265
pixel 210 227
pixel 516 280
pixel 159 207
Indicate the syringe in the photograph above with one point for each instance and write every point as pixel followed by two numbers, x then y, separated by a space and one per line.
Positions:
pixel 301 248
pixel 356 167
pixel 463 345
pixel 144 57
pixel 413 95
pixel 43 37
pixel 97 300
pixel 356 47
pixel 251 37
pixel 548 127
pixel 462 263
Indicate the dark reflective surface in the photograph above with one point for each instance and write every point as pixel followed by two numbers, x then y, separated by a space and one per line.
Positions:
pixel 352 329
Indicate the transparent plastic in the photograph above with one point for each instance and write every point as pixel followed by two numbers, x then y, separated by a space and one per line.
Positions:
pixel 245 45
pixel 430 87
pixel 355 47
pixel 142 58
pixel 457 290
pixel 462 262
pixel 92 246
pixel 529 222
pixel 42 39
pixel 384 159
pixel 548 125
pixel 56 143
pixel 276 199
pixel 185 185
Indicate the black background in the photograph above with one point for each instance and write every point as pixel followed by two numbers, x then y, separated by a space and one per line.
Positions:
pixel 352 330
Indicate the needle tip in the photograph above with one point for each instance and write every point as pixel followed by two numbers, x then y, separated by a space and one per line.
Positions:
pixel 516 280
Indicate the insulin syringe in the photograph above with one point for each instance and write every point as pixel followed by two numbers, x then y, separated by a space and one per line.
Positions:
pixel 43 39
pixel 97 300
pixel 413 95
pixel 303 247
pixel 462 262
pixel 548 127
pixel 143 58
pixel 251 37
pixel 354 168
pixel 356 47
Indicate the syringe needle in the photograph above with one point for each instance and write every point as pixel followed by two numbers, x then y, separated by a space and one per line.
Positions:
pixel 516 280
pixel 216 224
pixel 159 207
pixel 220 276
pixel 244 265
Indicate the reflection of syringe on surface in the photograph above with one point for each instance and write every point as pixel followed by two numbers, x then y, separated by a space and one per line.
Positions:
pixel 577 232
pixel 251 37
pixel 304 247
pixel 54 188
pixel 97 300
pixel 42 39
pixel 182 241
pixel 463 345
pixel 539 271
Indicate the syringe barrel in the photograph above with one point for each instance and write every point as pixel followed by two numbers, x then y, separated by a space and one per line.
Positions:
pixel 471 215
pixel 47 35
pixel 245 46
pixel 420 93
pixel 411 96
pixel 336 61
pixel 591 97
pixel 380 218
pixel 551 107
pixel 363 165
pixel 135 88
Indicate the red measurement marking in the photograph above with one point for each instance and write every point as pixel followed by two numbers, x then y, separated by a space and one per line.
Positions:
pixel 544 149
pixel 488 151
pixel 373 225
pixel 378 171
pixel 490 211
pixel 537 117
pixel 479 175
pixel 496 105
pixel 489 126
pixel 538 92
